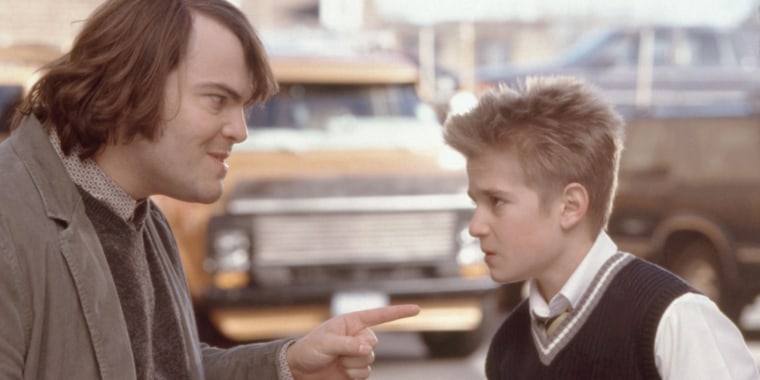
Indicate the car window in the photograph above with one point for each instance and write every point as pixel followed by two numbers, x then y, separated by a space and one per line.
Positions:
pixel 745 44
pixel 663 48
pixel 585 49
pixel 314 106
pixel 699 49
pixel 623 50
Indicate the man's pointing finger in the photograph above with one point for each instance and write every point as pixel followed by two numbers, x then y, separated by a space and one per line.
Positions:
pixel 360 320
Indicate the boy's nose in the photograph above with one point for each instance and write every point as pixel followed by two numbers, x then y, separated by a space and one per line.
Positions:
pixel 477 228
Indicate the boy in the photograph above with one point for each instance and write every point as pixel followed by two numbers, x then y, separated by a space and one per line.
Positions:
pixel 542 161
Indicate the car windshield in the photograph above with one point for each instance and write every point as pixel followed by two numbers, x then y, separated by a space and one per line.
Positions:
pixel 579 51
pixel 314 106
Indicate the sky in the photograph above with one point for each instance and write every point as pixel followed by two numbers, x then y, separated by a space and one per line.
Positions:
pixel 682 12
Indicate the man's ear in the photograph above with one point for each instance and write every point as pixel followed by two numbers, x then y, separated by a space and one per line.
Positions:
pixel 574 205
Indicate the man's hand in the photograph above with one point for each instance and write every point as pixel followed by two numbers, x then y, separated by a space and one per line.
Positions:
pixel 342 347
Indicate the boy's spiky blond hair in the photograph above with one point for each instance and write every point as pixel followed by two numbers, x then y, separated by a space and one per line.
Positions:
pixel 562 131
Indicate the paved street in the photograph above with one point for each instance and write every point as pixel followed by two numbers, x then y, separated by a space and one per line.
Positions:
pixel 403 357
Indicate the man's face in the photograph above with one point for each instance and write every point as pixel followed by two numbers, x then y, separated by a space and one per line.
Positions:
pixel 204 116
pixel 520 238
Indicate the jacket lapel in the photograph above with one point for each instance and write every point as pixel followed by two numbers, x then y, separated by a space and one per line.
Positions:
pixel 179 293
pixel 81 250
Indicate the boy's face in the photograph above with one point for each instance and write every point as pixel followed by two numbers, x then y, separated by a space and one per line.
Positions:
pixel 204 117
pixel 520 237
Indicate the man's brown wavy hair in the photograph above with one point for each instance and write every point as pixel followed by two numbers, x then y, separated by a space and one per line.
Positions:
pixel 110 87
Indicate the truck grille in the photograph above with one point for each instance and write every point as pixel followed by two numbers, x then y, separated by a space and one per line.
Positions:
pixel 341 238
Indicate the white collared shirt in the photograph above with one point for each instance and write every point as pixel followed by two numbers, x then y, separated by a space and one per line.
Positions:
pixel 694 339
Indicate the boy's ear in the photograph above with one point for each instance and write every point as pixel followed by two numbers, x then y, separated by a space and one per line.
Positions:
pixel 574 205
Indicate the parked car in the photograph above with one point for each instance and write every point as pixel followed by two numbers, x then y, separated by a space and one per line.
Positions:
pixel 654 66
pixel 689 199
pixel 688 195
pixel 344 196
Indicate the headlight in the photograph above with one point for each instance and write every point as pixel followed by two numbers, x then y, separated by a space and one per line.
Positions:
pixel 231 251
pixel 470 258
pixel 469 249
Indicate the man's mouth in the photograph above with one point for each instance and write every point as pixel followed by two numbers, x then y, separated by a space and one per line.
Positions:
pixel 221 156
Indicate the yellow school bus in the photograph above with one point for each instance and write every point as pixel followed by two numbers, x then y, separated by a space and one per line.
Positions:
pixel 343 197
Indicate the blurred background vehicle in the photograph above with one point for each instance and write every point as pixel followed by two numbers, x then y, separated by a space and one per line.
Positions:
pixel 689 199
pixel 18 71
pixel 658 66
pixel 343 197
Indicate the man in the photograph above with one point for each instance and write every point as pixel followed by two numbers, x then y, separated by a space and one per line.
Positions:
pixel 149 100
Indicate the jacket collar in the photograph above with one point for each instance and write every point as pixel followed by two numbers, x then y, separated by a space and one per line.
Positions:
pixel 58 192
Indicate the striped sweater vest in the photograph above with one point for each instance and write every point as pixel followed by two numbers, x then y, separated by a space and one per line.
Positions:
pixel 609 335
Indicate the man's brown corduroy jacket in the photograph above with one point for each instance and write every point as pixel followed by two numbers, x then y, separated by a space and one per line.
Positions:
pixel 60 316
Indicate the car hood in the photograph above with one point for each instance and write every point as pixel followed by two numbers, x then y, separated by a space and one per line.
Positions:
pixel 349 133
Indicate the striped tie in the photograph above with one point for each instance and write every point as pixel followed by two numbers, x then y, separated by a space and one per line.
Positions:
pixel 552 323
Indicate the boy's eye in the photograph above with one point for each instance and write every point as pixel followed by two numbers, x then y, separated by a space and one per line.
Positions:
pixel 497 201
pixel 216 100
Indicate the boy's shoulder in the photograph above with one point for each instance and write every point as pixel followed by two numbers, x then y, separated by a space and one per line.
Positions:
pixel 630 275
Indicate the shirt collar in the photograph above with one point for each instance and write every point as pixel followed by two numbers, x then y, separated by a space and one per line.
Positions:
pixel 570 294
pixel 88 175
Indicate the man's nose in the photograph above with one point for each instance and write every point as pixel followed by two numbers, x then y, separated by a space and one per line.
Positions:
pixel 237 129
